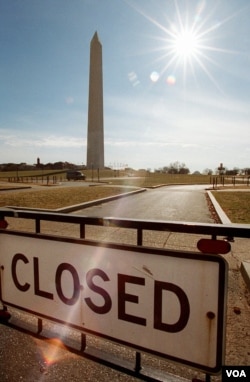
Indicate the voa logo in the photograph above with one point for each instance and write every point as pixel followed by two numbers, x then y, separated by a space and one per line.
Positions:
pixel 236 373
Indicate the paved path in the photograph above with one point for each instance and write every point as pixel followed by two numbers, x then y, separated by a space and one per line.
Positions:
pixel 185 203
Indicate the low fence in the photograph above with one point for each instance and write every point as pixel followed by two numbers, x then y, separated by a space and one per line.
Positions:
pixel 36 179
pixel 223 180
pixel 142 278
pixel 213 230
pixel 45 177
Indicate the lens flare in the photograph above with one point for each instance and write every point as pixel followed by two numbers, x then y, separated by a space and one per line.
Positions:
pixel 154 76
pixel 171 80
pixel 52 350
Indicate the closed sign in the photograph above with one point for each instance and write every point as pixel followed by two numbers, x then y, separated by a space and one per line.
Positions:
pixel 167 303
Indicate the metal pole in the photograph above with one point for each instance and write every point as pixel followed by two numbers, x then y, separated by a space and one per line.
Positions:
pixel 40 325
pixel 137 362
pixel 139 236
pixel 38 225
pixel 82 231
pixel 83 342
pixel 208 378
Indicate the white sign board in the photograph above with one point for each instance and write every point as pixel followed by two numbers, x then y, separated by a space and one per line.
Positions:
pixel 170 304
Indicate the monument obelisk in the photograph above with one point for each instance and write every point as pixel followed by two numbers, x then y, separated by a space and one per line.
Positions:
pixel 95 140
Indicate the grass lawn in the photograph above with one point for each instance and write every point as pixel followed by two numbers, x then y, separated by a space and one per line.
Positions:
pixel 57 197
pixel 236 204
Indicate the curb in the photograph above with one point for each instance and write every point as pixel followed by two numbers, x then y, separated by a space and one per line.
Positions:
pixel 222 216
pixel 76 207
pixel 15 188
pixel 80 206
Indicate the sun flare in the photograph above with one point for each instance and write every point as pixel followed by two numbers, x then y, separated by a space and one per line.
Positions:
pixel 186 44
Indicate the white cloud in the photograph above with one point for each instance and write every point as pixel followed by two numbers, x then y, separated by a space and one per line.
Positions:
pixel 51 141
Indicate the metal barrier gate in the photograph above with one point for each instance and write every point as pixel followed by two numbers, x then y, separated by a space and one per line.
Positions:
pixel 205 259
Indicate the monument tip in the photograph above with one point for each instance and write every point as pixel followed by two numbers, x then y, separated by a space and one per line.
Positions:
pixel 96 37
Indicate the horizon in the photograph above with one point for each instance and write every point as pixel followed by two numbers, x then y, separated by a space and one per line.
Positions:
pixel 61 166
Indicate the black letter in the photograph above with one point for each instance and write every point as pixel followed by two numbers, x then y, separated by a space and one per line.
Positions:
pixel 123 297
pixel 108 302
pixel 62 267
pixel 19 256
pixel 185 308
pixel 39 292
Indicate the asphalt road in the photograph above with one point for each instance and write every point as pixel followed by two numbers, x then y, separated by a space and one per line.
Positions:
pixel 185 203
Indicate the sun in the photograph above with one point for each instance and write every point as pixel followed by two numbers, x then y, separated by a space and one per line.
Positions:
pixel 186 44
pixel 185 48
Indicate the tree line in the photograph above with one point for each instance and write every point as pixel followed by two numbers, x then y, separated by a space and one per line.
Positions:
pixel 174 168
pixel 181 168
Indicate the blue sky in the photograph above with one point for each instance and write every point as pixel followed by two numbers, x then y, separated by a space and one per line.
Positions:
pixel 176 81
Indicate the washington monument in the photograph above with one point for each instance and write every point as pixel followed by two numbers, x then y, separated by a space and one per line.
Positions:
pixel 95 141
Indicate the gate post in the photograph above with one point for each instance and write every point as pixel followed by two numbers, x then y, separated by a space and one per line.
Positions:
pixel 4 314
